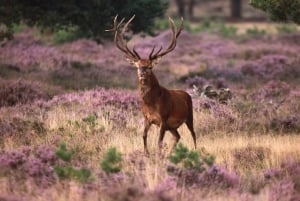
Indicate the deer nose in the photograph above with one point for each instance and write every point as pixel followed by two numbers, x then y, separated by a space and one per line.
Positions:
pixel 142 72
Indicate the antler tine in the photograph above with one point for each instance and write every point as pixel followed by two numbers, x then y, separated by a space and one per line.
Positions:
pixel 119 40
pixel 136 54
pixel 158 51
pixel 150 55
pixel 180 28
pixel 172 45
pixel 126 25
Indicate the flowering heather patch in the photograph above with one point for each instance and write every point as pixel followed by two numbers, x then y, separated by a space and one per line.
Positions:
pixel 251 157
pixel 98 97
pixel 220 177
pixel 286 123
pixel 21 92
pixel 36 165
pixel 267 67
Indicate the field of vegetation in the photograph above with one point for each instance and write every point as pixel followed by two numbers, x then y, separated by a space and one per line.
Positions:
pixel 71 126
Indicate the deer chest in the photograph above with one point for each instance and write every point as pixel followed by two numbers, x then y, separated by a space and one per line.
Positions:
pixel 152 116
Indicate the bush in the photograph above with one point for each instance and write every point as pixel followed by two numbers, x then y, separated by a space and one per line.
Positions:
pixel 68 171
pixel 190 159
pixel 111 162
pixel 286 29
pixel 65 35
pixel 20 92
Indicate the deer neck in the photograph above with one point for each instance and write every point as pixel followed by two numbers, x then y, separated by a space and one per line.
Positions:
pixel 149 89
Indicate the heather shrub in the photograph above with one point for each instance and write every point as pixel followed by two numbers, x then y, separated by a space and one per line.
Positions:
pixel 284 181
pixel 21 130
pixel 273 89
pixel 251 157
pixel 134 193
pixel 284 190
pixel 267 67
pixel 289 123
pixel 21 92
pixel 33 164
pixel 253 181
pixel 219 177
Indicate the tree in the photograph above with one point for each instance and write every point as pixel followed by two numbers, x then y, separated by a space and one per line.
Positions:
pixel 280 10
pixel 181 4
pixel 236 8
pixel 91 17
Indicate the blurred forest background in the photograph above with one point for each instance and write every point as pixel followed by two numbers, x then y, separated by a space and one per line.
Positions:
pixel 90 18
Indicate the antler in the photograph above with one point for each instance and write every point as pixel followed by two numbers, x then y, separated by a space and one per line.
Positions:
pixel 119 40
pixel 171 47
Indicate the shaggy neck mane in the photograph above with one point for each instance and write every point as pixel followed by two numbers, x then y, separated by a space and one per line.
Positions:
pixel 149 89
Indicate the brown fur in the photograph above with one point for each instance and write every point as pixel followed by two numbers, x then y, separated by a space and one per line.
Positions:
pixel 168 109
pixel 165 108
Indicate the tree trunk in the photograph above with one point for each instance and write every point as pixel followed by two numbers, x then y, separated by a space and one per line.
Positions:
pixel 180 7
pixel 191 8
pixel 236 8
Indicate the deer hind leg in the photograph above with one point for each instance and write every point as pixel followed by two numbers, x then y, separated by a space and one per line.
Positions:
pixel 176 138
pixel 145 135
pixel 190 126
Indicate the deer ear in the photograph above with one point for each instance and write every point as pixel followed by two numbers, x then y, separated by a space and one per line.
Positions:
pixel 132 62
pixel 155 61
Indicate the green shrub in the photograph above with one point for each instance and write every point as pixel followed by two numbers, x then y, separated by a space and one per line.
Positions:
pixel 254 32
pixel 63 153
pixel 111 162
pixel 286 28
pixel 190 159
pixel 90 120
pixel 65 35
pixel 163 24
pixel 216 27
pixel 17 28
pixel 68 171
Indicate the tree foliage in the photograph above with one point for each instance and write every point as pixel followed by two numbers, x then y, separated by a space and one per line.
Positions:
pixel 280 10
pixel 91 17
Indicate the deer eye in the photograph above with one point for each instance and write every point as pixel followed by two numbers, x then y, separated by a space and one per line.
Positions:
pixel 144 68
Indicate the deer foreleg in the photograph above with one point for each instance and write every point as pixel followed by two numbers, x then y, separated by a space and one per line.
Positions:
pixel 161 136
pixel 146 128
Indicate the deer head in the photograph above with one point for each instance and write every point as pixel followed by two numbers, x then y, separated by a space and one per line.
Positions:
pixel 144 65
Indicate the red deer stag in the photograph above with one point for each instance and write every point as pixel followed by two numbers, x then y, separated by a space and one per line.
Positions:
pixel 165 108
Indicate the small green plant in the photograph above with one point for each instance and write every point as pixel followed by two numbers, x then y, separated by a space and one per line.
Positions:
pixel 65 35
pixel 63 153
pixel 163 24
pixel 216 27
pixel 190 159
pixel 68 171
pixel 18 28
pixel 227 31
pixel 90 120
pixel 286 28
pixel 111 162
pixel 255 32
